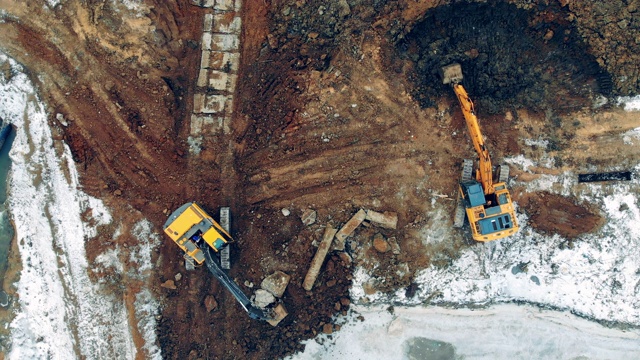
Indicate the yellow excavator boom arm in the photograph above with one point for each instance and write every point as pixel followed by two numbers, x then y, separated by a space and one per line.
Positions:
pixel 484 174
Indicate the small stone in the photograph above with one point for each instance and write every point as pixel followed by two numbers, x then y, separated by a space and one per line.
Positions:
pixel 309 217
pixel 210 303
pixel 380 243
pixel 178 277
pixel 117 192
pixel 169 284
pixel 327 329
pixel 337 327
pixel 286 212
pixel 331 283
pixel 313 35
pixel 248 284
pixel 345 301
pixel 337 306
pixel 548 35
pixel 343 8
pixel 273 41
pixel 346 259
pixel 393 243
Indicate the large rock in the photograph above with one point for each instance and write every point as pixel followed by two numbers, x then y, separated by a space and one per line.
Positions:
pixel 263 298
pixel 210 303
pixel 380 243
pixel 169 284
pixel 276 283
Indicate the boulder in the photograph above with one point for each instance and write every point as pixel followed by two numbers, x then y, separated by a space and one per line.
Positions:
pixel 380 243
pixel 276 283
pixel 210 303
pixel 263 298
pixel 169 284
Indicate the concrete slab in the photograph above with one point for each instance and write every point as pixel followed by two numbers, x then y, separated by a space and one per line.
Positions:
pixel 348 228
pixel 279 313
pixel 206 41
pixel 220 60
pixel 226 23
pixel 318 258
pixel 203 76
pixel 218 80
pixel 224 5
pixel 208 23
pixel 203 3
pixel 387 219
pixel 223 42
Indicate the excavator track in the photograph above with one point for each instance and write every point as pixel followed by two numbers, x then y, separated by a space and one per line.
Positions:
pixel 467 172
pixel 503 173
pixel 225 253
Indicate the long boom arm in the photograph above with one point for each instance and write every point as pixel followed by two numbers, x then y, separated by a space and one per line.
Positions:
pixel 484 174
pixel 233 288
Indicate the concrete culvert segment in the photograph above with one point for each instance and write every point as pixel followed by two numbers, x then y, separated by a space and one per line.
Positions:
pixel 509 56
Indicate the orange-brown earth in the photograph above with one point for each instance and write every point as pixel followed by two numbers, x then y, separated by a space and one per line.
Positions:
pixel 325 118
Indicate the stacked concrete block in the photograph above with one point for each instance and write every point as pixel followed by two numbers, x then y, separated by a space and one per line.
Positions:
pixel 216 84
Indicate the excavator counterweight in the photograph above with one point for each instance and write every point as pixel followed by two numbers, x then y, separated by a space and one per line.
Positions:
pixel 486 204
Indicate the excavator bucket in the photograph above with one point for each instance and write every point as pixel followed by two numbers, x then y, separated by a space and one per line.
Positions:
pixel 451 74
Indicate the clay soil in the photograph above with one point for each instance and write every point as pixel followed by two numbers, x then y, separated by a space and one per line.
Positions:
pixel 334 111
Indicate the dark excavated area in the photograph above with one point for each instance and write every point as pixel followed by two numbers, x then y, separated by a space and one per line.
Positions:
pixel 510 57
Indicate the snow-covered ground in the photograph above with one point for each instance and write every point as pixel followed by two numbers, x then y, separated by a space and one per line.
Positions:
pixel 598 277
pixel 504 331
pixel 61 313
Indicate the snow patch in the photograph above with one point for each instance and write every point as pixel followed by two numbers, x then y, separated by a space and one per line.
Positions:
pixel 147 308
pixel 630 103
pixel 61 313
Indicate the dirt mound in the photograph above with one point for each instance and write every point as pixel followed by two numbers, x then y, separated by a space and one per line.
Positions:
pixel 509 56
pixel 555 214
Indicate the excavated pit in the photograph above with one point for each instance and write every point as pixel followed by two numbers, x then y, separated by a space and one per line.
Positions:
pixel 510 57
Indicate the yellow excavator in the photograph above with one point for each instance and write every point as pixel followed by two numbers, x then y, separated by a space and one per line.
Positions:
pixel 486 204
pixel 204 240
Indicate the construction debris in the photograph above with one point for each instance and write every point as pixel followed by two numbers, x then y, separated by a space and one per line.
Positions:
pixel 210 303
pixel 348 229
pixel 387 219
pixel 279 313
pixel 318 259
pixel 380 243
pixel 276 283
pixel 395 248
pixel 309 217
pixel 608 176
pixel 169 284
pixel 263 298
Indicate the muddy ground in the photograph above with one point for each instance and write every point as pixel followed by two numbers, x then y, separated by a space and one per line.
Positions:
pixel 337 108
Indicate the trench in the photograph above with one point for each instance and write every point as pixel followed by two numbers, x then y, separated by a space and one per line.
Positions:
pixel 7 135
pixel 510 57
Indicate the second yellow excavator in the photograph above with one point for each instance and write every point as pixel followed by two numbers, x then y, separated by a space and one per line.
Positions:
pixel 487 204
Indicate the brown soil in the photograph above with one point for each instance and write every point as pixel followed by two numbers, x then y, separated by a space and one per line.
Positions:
pixel 554 214
pixel 324 119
